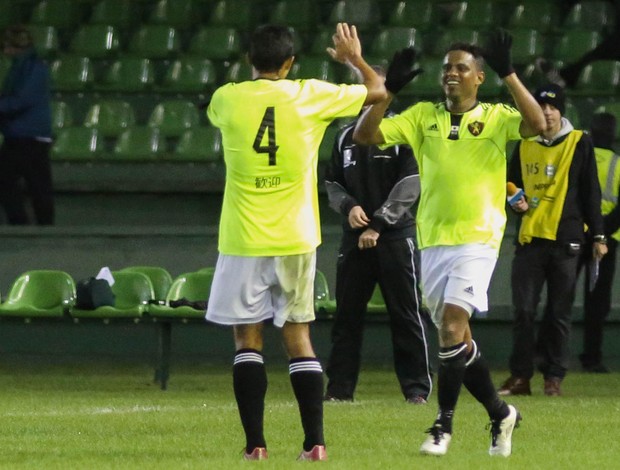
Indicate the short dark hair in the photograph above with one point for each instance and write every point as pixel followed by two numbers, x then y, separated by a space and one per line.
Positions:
pixel 603 129
pixel 17 36
pixel 270 47
pixel 473 49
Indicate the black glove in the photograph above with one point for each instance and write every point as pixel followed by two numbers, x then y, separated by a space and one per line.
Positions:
pixel 497 54
pixel 400 72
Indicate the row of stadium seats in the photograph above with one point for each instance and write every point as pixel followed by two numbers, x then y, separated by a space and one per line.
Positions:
pixel 227 43
pixel 306 14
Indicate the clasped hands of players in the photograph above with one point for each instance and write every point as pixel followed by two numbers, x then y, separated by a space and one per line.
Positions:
pixel 359 219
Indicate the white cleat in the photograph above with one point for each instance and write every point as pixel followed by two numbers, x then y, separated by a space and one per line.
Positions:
pixel 501 433
pixel 436 443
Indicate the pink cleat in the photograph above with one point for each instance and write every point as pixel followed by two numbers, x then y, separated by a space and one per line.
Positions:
pixel 259 453
pixel 315 454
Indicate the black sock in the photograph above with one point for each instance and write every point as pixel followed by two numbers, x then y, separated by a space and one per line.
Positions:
pixel 250 386
pixel 449 381
pixel 478 381
pixel 307 380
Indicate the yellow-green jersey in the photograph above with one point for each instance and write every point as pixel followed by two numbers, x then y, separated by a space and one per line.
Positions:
pixel 608 167
pixel 271 133
pixel 462 161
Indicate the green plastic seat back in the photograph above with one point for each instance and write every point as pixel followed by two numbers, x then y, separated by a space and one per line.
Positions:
pixel 96 41
pixel 238 14
pixel 393 39
pixel 62 14
pixel 121 14
pixel 139 143
pixel 42 289
pixel 155 41
pixel 72 73
pixel 575 43
pixel 45 38
pixel 111 117
pixel 190 75
pixel 180 14
pixel 193 286
pixel 216 43
pixel 62 115
pixel 131 289
pixel 160 278
pixel 129 74
pixel 364 14
pixel 174 117
pixel 303 15
pixel 202 143
pixel 77 143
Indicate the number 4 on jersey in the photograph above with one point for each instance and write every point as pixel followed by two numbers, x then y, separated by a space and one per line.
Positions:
pixel 267 124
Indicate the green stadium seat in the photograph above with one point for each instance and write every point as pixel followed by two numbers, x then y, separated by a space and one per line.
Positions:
pixel 364 14
pixel 191 287
pixel 449 36
pixel 422 15
pixel 322 68
pixel 572 114
pixel 132 290
pixel 97 41
pixel 122 14
pixel 77 143
pixel 575 43
pixel 72 73
pixel 303 15
pixel 110 117
pixel 40 293
pixel 139 143
pixel 180 14
pixel 243 15
pixel 202 143
pixel 155 41
pixel 62 14
pixel 492 88
pixel 45 40
pixel 216 43
pixel 190 74
pixel 393 39
pixel 324 305
pixel 160 279
pixel 173 117
pixel 474 14
pixel 535 14
pixel 527 44
pixel 62 115
pixel 599 78
pixel 238 71
pixel 590 15
pixel 321 40
pixel 128 74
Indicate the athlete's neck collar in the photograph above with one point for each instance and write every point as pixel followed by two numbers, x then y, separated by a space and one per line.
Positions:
pixel 462 112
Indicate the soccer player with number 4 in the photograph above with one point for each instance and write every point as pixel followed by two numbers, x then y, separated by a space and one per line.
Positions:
pixel 460 145
pixel 269 227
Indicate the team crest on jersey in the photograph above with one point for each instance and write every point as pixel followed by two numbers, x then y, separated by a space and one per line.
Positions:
pixel 475 127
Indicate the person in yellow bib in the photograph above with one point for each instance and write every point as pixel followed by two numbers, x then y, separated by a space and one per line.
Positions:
pixel 557 172
pixel 269 227
pixel 597 292
pixel 460 145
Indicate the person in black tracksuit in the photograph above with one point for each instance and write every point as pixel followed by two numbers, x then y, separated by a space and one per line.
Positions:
pixel 374 191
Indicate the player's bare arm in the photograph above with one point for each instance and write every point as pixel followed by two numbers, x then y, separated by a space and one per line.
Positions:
pixel 348 50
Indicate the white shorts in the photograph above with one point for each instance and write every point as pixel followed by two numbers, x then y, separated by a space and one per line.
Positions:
pixel 254 289
pixel 458 275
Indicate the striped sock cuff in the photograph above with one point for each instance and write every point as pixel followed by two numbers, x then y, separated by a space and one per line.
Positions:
pixel 473 355
pixel 310 364
pixel 453 352
pixel 248 355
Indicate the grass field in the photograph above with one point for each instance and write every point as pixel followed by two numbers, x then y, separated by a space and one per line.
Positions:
pixel 101 416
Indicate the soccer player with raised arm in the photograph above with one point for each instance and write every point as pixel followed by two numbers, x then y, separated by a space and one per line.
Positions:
pixel 269 227
pixel 460 145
